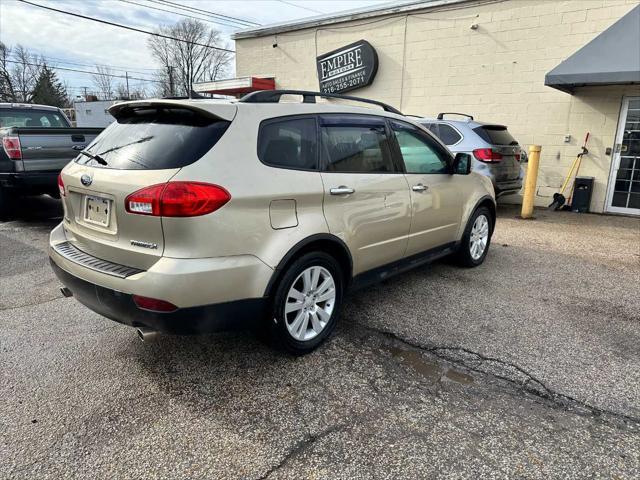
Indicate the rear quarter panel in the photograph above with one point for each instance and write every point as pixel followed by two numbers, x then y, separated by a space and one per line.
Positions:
pixel 244 225
pixel 475 188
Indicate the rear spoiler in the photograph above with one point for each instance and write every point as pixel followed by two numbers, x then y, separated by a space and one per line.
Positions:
pixel 220 111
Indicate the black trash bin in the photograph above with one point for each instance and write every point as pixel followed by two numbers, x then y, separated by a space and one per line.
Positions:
pixel 582 190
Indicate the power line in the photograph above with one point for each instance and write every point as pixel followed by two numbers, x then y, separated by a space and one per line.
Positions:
pixel 181 14
pixel 112 67
pixel 247 23
pixel 125 27
pixel 86 71
pixel 300 6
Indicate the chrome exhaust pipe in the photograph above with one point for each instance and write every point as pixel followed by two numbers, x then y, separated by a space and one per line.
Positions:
pixel 146 335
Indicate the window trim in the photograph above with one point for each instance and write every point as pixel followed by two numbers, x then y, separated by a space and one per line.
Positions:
pixel 437 145
pixel 398 167
pixel 285 118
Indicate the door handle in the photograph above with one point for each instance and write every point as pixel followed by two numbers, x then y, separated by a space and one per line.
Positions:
pixel 419 188
pixel 341 190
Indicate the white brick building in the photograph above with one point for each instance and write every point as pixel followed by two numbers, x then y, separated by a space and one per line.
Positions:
pixel 432 60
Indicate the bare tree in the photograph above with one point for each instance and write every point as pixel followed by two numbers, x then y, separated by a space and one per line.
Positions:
pixel 132 93
pixel 7 92
pixel 121 92
pixel 103 81
pixel 190 60
pixel 19 73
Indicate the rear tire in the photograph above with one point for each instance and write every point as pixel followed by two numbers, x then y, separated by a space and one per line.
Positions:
pixel 306 303
pixel 476 239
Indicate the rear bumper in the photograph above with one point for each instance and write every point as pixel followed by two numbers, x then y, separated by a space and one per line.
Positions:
pixel 30 180
pixel 507 188
pixel 120 307
pixel 211 294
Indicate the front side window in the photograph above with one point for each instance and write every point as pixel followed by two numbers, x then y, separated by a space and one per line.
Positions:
pixel 355 145
pixel 420 154
pixel 288 143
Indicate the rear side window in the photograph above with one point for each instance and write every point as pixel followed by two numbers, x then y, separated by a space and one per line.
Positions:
pixel 495 135
pixel 288 143
pixel 155 138
pixel 448 134
pixel 355 145
pixel 31 118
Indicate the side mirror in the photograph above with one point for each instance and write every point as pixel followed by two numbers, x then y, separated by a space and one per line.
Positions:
pixel 462 164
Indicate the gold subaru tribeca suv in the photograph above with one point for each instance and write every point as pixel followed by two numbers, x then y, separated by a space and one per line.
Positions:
pixel 190 216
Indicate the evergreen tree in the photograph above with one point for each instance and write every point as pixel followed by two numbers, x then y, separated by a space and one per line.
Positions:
pixel 49 90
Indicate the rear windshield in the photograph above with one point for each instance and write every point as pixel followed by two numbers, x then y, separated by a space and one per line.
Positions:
pixel 31 118
pixel 154 139
pixel 495 135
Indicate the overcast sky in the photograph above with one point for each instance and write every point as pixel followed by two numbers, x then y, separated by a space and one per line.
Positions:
pixel 72 42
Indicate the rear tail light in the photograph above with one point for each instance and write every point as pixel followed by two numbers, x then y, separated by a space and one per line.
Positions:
pixel 153 304
pixel 11 146
pixel 61 185
pixel 487 155
pixel 177 199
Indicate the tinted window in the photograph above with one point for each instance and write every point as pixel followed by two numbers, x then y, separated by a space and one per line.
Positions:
pixel 448 134
pixel 31 118
pixel 495 135
pixel 155 139
pixel 420 154
pixel 288 143
pixel 356 145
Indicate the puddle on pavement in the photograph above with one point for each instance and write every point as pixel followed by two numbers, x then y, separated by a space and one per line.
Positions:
pixel 415 360
pixel 430 370
pixel 458 376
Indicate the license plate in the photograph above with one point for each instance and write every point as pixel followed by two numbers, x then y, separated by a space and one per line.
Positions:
pixel 97 210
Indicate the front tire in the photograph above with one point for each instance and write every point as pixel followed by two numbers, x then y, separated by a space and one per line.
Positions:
pixel 476 239
pixel 307 302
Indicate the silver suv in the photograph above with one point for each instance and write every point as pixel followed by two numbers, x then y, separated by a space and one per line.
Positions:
pixel 189 216
pixel 496 154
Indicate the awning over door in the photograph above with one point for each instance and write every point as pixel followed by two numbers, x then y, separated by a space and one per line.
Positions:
pixel 612 58
pixel 236 86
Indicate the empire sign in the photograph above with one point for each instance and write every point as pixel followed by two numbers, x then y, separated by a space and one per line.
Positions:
pixel 347 68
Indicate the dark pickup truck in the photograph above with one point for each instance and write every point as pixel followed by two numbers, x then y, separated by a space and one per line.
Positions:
pixel 37 142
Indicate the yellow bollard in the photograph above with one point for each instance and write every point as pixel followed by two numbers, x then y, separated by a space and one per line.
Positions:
pixel 530 182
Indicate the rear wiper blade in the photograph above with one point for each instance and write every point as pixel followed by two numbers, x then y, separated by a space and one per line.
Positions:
pixel 95 157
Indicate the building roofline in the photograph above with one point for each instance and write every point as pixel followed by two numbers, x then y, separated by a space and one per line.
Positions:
pixel 385 9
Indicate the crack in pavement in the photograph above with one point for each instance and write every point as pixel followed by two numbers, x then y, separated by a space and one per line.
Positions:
pixel 528 382
pixel 34 304
pixel 299 447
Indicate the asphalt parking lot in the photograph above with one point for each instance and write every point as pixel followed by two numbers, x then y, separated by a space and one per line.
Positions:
pixel 528 366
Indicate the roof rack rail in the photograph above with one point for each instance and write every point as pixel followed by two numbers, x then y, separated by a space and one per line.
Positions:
pixel 441 115
pixel 273 96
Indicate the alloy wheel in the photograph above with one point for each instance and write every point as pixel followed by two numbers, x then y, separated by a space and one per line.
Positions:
pixel 479 237
pixel 310 303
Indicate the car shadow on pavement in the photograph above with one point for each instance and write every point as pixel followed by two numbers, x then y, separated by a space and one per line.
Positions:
pixel 35 209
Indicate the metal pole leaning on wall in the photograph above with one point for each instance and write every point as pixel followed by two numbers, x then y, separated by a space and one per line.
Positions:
pixel 530 183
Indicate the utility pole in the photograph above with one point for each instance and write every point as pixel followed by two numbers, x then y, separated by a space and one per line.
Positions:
pixel 85 93
pixel 126 76
pixel 170 72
